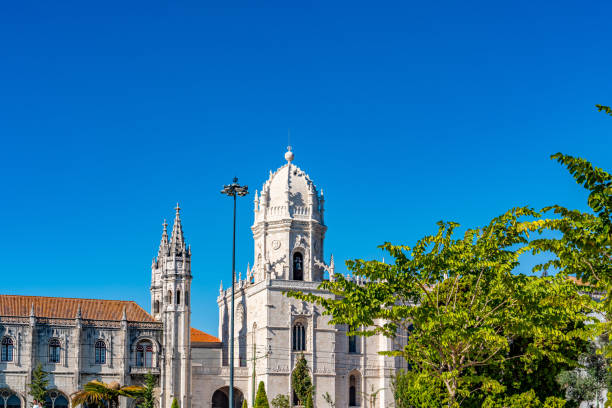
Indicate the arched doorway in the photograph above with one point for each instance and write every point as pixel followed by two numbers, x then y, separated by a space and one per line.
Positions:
pixel 220 398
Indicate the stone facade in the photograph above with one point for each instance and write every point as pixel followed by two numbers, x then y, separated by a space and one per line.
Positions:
pixel 66 348
pixel 271 330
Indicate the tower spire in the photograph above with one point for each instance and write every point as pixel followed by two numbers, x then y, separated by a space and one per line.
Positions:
pixel 177 241
pixel 163 245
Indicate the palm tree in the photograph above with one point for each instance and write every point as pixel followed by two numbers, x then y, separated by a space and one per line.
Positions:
pixel 96 394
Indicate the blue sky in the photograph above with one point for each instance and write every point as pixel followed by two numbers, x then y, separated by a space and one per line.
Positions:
pixel 404 112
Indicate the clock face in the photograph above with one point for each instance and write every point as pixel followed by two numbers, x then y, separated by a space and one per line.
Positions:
pixel 276 244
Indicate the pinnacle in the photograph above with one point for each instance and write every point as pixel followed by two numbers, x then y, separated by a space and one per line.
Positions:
pixel 163 245
pixel 177 241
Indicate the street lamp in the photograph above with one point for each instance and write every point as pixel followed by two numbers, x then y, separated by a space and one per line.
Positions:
pixel 233 190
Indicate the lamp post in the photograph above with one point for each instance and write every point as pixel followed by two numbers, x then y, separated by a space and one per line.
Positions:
pixel 233 190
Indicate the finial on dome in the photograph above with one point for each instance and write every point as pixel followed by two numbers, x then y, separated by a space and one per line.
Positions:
pixel 289 154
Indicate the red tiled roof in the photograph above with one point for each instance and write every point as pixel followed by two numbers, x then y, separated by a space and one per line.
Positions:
pixel 198 336
pixel 578 282
pixel 66 308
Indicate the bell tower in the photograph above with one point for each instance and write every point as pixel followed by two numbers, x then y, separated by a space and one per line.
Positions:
pixel 289 229
pixel 170 303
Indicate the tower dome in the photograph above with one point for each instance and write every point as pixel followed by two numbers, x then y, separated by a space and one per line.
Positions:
pixel 289 228
pixel 289 193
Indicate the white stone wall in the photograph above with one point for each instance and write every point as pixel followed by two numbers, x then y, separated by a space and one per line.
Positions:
pixel 77 355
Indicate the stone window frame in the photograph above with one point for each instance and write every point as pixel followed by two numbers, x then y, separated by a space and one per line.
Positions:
pixel 356 342
pixel 358 378
pixel 6 394
pixel 55 346
pixel 300 252
pixel 103 348
pixel 7 350
pixel 155 352
pixel 54 394
pixel 303 323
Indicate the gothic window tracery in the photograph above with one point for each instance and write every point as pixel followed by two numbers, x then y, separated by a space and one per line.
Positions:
pixel 54 350
pixel 9 399
pixel 100 352
pixel 298 337
pixel 55 399
pixel 144 354
pixel 298 266
pixel 7 349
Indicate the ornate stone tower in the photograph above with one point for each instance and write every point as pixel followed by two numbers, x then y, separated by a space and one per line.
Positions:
pixel 289 228
pixel 170 303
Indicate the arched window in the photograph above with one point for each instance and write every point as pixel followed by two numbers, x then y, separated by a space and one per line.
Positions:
pixel 169 297
pixel 54 350
pixel 8 399
pixel 13 402
pixel 299 337
pixel 144 354
pixel 352 341
pixel 55 399
pixel 186 298
pixel 298 266
pixel 7 349
pixel 352 391
pixel 100 350
pixel 156 307
pixel 178 297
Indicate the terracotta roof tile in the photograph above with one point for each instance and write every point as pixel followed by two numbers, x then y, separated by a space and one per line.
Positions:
pixel 96 309
pixel 198 336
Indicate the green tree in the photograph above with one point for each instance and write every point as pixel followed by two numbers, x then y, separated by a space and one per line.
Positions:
pixel 527 399
pixel 309 403
pixel 261 400
pixel 301 381
pixel 39 384
pixel 148 392
pixel 175 403
pixel 280 401
pixel 540 375
pixel 244 404
pixel 413 389
pixel 605 109
pixel 585 246
pixel 464 302
pixel 589 381
pixel 96 393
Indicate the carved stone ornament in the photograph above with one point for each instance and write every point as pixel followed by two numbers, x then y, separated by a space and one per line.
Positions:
pixel 301 310
pixel 276 244
pixel 300 241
